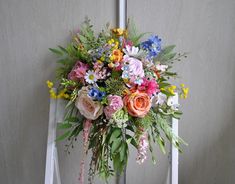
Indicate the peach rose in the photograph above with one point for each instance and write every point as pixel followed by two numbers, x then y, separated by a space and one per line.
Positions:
pixel 86 106
pixel 138 104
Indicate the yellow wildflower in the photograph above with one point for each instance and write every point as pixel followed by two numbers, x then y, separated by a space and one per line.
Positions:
pixel 52 94
pixel 49 84
pixel 117 55
pixel 66 96
pixel 125 80
pixel 116 45
pixel 119 32
pixel 185 92
pixel 171 89
pixel 111 41
pixel 98 61
pixel 102 58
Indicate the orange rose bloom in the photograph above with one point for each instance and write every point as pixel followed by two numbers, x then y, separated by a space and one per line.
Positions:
pixel 117 55
pixel 138 104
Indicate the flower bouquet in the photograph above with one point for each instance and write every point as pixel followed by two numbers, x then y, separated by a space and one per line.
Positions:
pixel 118 94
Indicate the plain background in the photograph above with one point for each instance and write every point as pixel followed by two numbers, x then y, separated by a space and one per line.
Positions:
pixel 205 28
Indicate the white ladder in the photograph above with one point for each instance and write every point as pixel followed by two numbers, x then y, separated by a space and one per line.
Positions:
pixel 52 164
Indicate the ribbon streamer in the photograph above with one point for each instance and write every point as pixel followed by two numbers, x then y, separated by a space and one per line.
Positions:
pixel 86 129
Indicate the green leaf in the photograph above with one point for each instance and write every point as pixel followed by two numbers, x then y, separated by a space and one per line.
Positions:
pixel 134 143
pixel 68 104
pixel 76 131
pixel 116 133
pixel 72 119
pixel 116 144
pixel 58 52
pixel 161 144
pixel 168 57
pixel 64 125
pixel 117 163
pixel 168 49
pixel 123 151
pixel 63 49
pixel 63 136
pixel 133 34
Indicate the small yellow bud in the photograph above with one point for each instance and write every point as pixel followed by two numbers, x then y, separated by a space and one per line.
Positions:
pixel 49 84
pixel 102 58
pixel 66 96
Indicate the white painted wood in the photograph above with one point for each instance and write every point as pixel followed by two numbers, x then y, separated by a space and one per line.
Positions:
pixel 174 151
pixel 122 13
pixel 173 155
pixel 52 163
pixel 57 169
pixel 122 18
pixel 49 172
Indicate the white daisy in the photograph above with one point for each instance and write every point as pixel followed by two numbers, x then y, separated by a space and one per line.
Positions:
pixel 90 77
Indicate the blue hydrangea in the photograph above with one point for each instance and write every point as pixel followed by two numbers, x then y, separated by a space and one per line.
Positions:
pixel 152 46
pixel 96 94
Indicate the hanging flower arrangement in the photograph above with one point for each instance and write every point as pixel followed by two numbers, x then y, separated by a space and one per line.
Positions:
pixel 118 94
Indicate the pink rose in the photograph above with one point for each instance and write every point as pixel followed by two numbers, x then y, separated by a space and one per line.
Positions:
pixel 86 106
pixel 78 71
pixel 115 103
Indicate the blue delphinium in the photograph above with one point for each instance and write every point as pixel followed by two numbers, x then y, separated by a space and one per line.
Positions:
pixel 96 94
pixel 152 46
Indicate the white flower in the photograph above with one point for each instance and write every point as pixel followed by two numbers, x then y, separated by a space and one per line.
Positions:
pixel 161 68
pixel 160 99
pixel 172 104
pixel 90 77
pixel 131 50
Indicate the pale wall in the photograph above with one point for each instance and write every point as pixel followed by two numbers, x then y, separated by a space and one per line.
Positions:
pixel 205 28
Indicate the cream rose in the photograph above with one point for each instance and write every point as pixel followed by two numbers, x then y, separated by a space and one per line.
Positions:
pixel 87 107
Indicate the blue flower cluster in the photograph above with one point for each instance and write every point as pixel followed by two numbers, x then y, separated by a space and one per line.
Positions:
pixel 96 94
pixel 152 46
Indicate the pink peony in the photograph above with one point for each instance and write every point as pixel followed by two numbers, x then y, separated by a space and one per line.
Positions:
pixel 149 86
pixel 78 71
pixel 135 66
pixel 115 103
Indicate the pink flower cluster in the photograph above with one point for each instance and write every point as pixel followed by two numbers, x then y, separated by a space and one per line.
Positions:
pixel 142 148
pixel 78 72
pixel 149 86
pixel 115 103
